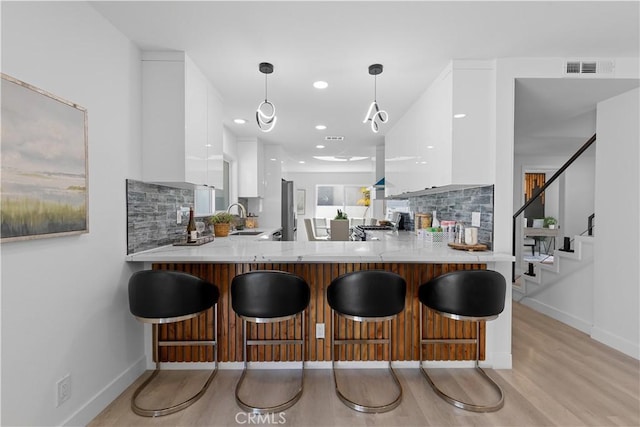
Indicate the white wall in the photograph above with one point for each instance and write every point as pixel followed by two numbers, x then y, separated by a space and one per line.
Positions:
pixel 64 300
pixel 616 320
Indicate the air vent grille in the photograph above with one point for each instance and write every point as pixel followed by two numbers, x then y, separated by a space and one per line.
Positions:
pixel 334 138
pixel 589 67
pixel 576 67
pixel 573 67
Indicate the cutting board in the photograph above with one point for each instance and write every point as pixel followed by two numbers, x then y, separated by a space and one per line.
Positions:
pixel 463 247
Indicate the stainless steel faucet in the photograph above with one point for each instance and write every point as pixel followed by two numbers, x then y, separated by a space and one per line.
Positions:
pixel 243 211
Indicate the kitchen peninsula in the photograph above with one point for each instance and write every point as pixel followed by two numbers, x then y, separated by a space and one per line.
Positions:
pixel 319 263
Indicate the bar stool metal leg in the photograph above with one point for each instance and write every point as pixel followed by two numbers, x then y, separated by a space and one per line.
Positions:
pixel 455 402
pixel 350 403
pixel 191 400
pixel 245 342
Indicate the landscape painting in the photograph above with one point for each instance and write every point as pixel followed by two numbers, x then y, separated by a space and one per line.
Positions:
pixel 44 182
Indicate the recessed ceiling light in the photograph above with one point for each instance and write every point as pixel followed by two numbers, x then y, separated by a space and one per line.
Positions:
pixel 273 159
pixel 321 127
pixel 459 116
pixel 320 146
pixel 429 146
pixel 239 121
pixel 320 84
pixel 301 162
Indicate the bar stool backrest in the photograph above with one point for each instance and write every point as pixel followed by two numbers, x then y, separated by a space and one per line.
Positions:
pixel 368 293
pixel 160 294
pixel 269 294
pixel 468 293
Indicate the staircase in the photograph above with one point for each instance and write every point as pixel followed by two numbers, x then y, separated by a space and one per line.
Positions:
pixel 563 289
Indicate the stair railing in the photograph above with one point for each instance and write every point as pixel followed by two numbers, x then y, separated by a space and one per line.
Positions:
pixel 538 193
pixel 566 246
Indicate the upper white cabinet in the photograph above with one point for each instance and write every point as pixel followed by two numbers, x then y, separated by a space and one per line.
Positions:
pixel 250 168
pixel 429 147
pixel 181 122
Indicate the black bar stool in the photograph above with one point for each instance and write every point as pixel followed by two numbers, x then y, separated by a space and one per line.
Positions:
pixel 473 295
pixel 158 297
pixel 366 296
pixel 268 296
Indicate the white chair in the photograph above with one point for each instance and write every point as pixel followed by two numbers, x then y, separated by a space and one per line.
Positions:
pixel 320 227
pixel 311 235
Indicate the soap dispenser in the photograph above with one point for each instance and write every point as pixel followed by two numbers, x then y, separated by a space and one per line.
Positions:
pixel 434 220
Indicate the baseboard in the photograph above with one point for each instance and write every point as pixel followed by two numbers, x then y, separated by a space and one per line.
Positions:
pixel 560 316
pixel 108 394
pixel 498 361
pixel 377 364
pixel 618 343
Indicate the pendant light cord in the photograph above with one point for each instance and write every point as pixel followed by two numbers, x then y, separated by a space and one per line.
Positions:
pixel 375 88
pixel 265 88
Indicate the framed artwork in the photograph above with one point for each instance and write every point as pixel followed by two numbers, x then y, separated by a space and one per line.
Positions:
pixel 300 201
pixel 44 164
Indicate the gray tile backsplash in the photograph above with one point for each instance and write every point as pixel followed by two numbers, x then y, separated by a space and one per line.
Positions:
pixel 457 205
pixel 151 215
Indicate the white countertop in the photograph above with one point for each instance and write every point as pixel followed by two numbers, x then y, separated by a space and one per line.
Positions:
pixel 402 246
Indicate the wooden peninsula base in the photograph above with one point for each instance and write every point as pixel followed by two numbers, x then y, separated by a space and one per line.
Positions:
pixel 319 275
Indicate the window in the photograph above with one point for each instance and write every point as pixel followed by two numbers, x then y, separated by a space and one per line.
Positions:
pixel 352 199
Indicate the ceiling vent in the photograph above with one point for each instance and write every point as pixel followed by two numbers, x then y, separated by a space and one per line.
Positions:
pixel 589 67
pixel 334 138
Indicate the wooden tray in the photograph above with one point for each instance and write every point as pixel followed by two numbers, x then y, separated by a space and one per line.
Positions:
pixel 471 248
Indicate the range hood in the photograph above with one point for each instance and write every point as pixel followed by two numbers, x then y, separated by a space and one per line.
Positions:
pixel 434 190
pixel 380 184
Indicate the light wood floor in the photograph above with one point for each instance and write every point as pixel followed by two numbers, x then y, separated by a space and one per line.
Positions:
pixel 560 377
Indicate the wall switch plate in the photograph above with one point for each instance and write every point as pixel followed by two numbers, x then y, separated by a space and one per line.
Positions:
pixel 63 390
pixel 319 330
pixel 179 217
pixel 475 219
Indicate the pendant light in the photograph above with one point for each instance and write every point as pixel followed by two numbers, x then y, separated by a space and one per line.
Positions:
pixel 266 112
pixel 375 114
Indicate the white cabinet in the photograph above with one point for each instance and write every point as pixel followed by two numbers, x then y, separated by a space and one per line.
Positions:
pixel 429 147
pixel 250 168
pixel 181 122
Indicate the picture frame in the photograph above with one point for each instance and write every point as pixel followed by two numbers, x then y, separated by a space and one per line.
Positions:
pixel 301 199
pixel 45 187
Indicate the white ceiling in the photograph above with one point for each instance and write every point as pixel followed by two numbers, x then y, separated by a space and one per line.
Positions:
pixel 336 41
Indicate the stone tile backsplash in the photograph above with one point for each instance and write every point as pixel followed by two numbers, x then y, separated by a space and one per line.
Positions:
pixel 458 205
pixel 151 215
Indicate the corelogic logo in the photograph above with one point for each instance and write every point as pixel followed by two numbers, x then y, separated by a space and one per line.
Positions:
pixel 268 419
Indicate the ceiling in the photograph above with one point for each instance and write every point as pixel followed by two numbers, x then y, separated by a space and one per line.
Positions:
pixel 336 41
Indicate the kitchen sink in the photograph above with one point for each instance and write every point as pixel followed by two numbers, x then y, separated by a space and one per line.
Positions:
pixel 246 233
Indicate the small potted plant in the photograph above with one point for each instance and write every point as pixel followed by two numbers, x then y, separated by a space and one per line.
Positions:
pixel 550 222
pixel 221 222
pixel 341 215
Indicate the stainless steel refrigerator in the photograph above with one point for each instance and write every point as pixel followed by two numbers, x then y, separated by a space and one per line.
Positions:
pixel 288 211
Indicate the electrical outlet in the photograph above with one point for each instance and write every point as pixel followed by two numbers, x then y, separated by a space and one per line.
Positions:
pixel 475 219
pixel 319 330
pixel 63 390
